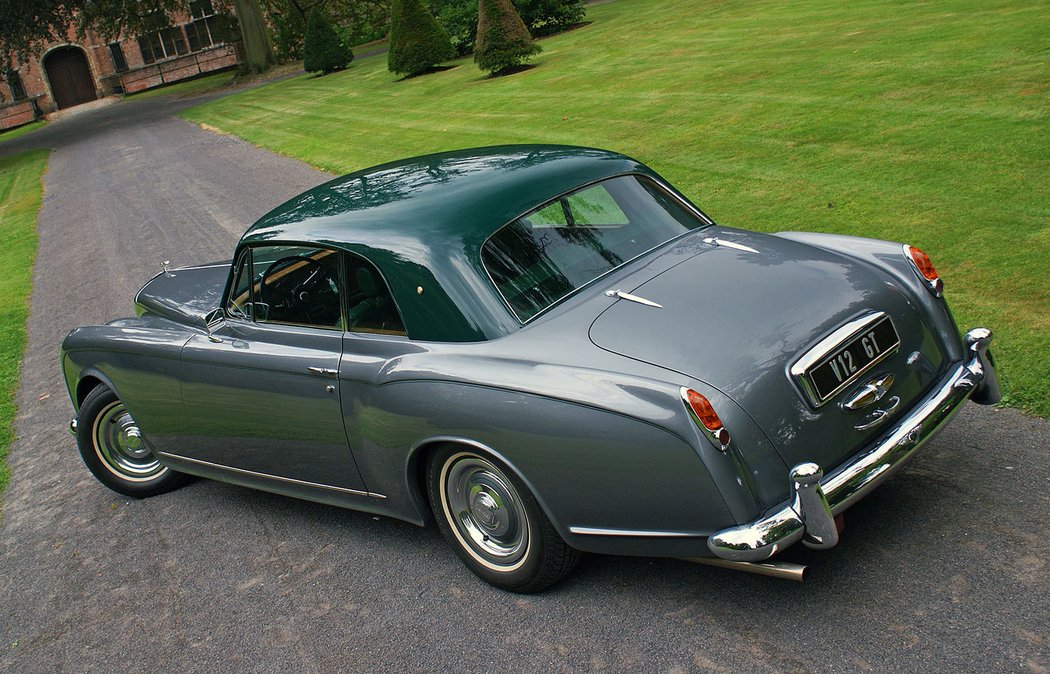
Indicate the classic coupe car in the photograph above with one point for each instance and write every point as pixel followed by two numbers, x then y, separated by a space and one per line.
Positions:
pixel 545 350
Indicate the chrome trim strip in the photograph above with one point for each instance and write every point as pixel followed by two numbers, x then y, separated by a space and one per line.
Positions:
pixel 632 298
pixel 724 243
pixel 783 526
pixel 267 476
pixel 590 531
pixel 845 333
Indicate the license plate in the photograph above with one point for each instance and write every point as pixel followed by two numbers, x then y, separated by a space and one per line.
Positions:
pixel 845 364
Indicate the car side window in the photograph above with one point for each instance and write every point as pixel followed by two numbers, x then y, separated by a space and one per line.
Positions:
pixel 297 285
pixel 369 305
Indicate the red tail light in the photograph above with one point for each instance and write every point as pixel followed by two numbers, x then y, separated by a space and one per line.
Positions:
pixel 924 266
pixel 705 415
pixel 701 407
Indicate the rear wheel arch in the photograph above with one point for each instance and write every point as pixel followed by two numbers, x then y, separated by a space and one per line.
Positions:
pixel 421 454
pixel 491 517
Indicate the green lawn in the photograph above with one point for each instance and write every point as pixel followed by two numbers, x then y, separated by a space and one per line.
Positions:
pixel 200 85
pixel 922 122
pixel 21 193
pixel 21 130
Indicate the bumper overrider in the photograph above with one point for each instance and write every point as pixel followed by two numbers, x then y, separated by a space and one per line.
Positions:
pixel 818 498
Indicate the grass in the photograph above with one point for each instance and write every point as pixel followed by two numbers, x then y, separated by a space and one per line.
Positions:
pixel 198 85
pixel 21 194
pixel 21 130
pixel 921 122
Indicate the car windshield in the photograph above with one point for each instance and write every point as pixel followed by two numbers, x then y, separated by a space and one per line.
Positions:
pixel 547 254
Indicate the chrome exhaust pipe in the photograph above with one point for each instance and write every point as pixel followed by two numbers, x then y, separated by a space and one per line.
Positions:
pixel 785 570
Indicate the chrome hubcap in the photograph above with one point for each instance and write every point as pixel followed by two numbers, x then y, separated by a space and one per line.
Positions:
pixel 121 447
pixel 486 511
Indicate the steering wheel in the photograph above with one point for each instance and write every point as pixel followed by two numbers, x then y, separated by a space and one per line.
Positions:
pixel 290 285
pixel 295 290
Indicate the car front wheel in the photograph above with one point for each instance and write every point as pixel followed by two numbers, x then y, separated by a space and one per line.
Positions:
pixel 115 451
pixel 494 523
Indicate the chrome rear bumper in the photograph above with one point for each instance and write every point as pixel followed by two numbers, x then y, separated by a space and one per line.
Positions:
pixel 809 516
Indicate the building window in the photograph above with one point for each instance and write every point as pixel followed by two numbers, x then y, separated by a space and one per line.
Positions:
pixel 192 37
pixel 14 82
pixel 207 26
pixel 201 8
pixel 207 29
pixel 147 48
pixel 120 64
pixel 174 41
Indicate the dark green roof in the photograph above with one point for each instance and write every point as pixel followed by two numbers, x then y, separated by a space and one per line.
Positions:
pixel 422 222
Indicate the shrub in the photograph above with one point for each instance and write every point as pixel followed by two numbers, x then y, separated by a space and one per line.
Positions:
pixel 503 40
pixel 417 40
pixel 543 17
pixel 323 50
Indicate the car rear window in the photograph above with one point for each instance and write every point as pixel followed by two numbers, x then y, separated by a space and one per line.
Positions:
pixel 549 253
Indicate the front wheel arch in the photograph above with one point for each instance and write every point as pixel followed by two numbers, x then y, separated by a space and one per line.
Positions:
pixel 115 451
pixel 86 385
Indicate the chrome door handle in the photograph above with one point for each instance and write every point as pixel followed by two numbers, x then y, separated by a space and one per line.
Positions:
pixel 879 416
pixel 872 393
pixel 328 372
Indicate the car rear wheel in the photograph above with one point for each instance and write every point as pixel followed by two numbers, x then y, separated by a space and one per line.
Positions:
pixel 115 451
pixel 494 523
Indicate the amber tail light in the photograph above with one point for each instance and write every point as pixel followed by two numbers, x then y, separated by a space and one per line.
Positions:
pixel 924 268
pixel 704 415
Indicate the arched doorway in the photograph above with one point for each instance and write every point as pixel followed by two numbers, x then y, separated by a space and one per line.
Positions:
pixel 70 77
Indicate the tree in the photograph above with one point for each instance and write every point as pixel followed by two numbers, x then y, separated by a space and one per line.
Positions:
pixel 503 40
pixel 258 52
pixel 542 17
pixel 27 26
pixel 459 18
pixel 356 22
pixel 323 50
pixel 417 40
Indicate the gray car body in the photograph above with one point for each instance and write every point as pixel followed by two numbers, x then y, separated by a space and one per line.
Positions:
pixel 583 403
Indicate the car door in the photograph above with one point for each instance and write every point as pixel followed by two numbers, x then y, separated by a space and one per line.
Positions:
pixel 261 391
pixel 375 335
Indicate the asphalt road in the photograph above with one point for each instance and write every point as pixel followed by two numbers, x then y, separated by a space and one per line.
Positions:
pixel 942 569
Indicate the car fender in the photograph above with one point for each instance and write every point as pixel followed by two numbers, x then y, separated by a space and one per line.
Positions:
pixel 647 471
pixel 139 362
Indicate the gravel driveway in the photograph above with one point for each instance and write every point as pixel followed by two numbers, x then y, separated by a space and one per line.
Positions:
pixel 942 569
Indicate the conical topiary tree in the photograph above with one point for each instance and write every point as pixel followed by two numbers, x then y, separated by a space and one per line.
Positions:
pixel 323 51
pixel 503 40
pixel 417 40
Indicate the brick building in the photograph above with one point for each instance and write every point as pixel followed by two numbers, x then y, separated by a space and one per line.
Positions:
pixel 79 70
